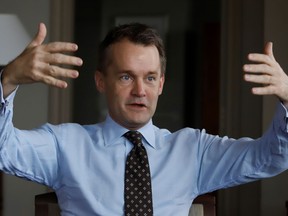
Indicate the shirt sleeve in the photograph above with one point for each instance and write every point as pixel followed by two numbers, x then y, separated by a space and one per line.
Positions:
pixel 226 162
pixel 27 154
pixel 5 101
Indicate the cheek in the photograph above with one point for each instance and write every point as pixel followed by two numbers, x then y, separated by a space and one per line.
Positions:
pixel 153 98
pixel 117 95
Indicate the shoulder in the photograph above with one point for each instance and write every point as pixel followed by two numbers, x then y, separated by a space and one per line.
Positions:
pixel 184 136
pixel 189 132
pixel 72 129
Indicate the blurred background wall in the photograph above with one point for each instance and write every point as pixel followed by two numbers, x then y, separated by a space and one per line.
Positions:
pixel 31 107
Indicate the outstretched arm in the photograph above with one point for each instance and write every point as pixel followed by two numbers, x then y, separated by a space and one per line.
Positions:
pixel 268 72
pixel 41 63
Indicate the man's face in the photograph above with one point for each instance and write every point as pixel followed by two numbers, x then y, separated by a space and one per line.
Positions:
pixel 131 83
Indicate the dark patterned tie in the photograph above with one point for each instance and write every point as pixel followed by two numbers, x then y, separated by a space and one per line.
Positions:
pixel 138 192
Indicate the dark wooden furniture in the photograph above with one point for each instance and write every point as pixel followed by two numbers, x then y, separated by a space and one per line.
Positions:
pixel 209 203
pixel 47 204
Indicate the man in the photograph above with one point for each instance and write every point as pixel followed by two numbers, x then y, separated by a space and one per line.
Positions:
pixel 85 165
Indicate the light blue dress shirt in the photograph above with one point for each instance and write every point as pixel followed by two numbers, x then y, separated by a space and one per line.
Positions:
pixel 85 164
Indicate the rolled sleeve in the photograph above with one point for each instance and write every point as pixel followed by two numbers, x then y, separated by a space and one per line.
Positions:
pixel 6 103
pixel 280 123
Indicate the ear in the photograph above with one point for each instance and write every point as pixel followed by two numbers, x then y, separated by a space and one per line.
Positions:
pixel 99 81
pixel 161 85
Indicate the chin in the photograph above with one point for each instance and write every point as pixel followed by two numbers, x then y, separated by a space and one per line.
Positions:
pixel 137 123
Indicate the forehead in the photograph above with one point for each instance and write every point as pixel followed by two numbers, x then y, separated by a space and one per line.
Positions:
pixel 126 55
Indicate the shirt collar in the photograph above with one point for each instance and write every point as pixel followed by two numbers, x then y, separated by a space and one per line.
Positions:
pixel 113 132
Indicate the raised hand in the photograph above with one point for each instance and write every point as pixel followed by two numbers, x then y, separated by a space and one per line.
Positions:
pixel 268 72
pixel 46 63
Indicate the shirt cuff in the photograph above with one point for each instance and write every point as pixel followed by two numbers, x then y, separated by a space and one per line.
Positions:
pixel 280 126
pixel 8 101
pixel 283 117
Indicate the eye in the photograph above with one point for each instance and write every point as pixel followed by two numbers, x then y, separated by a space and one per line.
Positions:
pixel 151 78
pixel 125 77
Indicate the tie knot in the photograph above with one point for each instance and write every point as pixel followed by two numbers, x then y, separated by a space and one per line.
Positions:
pixel 134 137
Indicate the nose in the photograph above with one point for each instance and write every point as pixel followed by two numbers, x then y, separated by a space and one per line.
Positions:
pixel 138 88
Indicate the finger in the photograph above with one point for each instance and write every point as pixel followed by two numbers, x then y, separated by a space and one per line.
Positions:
pixel 262 79
pixel 260 58
pixel 40 36
pixel 57 72
pixel 54 82
pixel 55 47
pixel 257 68
pixel 58 58
pixel 269 50
pixel 267 90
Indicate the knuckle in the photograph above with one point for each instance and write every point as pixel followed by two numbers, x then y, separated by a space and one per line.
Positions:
pixel 47 80
pixel 273 91
pixel 35 76
pixel 51 57
pixel 55 58
pixel 267 58
pixel 52 70
pixel 34 63
pixel 266 67
pixel 52 46
pixel 268 78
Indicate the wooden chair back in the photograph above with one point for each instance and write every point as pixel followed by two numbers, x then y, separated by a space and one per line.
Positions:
pixel 47 205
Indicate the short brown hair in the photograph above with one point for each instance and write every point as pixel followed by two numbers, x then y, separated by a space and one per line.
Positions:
pixel 137 33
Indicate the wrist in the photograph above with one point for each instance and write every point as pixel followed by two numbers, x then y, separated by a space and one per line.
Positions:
pixel 7 85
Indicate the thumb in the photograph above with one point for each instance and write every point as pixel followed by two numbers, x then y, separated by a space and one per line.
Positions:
pixel 40 36
pixel 268 50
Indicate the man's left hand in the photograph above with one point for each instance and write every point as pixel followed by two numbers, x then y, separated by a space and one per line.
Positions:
pixel 268 72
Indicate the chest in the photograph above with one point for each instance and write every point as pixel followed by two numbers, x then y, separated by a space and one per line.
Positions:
pixel 97 173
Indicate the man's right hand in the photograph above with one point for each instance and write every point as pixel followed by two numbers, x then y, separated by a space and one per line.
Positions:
pixel 41 63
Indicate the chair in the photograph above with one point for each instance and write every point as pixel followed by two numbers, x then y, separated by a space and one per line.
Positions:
pixel 47 205
pixel 204 205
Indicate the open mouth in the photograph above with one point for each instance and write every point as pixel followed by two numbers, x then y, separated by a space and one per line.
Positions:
pixel 137 105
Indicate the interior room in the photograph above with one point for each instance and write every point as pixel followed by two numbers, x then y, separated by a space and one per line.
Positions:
pixel 207 43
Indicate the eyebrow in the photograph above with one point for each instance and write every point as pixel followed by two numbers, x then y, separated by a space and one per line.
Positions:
pixel 133 73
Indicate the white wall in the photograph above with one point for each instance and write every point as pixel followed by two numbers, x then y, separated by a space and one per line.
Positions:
pixel 274 191
pixel 31 106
